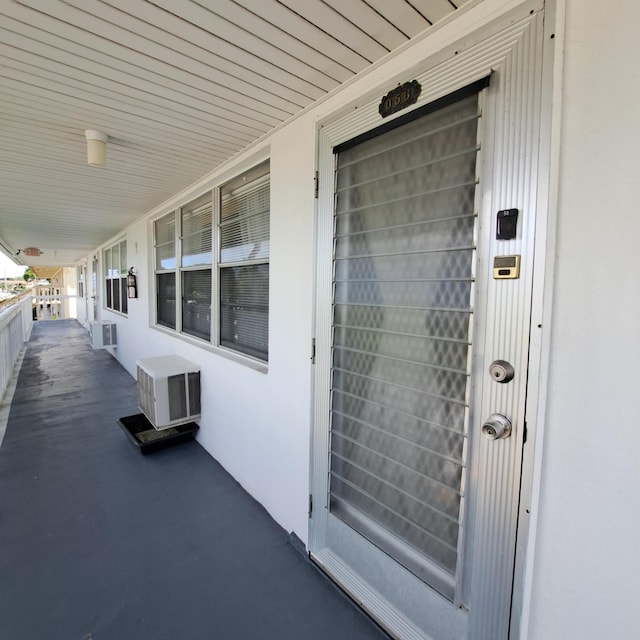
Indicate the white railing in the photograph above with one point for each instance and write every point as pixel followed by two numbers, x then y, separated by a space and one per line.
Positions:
pixel 54 307
pixel 15 325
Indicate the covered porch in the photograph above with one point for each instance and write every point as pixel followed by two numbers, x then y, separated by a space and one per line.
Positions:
pixel 256 215
pixel 97 541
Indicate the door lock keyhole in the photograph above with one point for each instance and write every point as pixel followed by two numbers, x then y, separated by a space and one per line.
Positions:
pixel 501 371
pixel 496 427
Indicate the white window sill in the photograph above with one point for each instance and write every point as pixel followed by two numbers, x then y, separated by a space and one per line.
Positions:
pixel 234 356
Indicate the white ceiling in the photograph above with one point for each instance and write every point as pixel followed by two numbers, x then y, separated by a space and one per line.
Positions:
pixel 179 86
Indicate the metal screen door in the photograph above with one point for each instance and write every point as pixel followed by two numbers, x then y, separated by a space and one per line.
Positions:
pixel 402 383
pixel 403 286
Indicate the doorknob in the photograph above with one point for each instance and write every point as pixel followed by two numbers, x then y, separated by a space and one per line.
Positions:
pixel 496 426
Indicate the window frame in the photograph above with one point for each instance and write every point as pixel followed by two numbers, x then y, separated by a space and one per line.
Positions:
pixel 111 275
pixel 213 343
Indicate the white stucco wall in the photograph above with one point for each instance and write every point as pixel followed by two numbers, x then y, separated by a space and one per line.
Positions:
pixel 255 424
pixel 587 560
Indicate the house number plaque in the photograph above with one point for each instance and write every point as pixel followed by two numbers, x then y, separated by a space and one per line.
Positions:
pixel 400 98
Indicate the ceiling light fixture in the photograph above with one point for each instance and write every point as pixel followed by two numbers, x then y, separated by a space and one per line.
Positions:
pixel 96 147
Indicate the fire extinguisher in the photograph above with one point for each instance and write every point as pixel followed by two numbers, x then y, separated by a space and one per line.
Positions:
pixel 132 284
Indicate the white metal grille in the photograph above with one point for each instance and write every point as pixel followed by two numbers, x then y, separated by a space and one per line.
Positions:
pixel 403 284
pixel 146 394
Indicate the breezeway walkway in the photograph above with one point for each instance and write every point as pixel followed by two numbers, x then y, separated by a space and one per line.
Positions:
pixel 100 543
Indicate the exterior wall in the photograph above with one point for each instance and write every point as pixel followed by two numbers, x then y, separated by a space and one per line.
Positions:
pixel 258 425
pixel 587 560
pixel 255 424
pixel 582 563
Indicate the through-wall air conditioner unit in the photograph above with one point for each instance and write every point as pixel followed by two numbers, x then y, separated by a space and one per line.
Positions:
pixel 168 390
pixel 103 334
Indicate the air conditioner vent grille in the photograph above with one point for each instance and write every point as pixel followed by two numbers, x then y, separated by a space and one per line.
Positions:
pixel 103 334
pixel 194 392
pixel 177 397
pixel 146 395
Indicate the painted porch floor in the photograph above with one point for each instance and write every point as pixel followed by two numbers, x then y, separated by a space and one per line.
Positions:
pixel 98 542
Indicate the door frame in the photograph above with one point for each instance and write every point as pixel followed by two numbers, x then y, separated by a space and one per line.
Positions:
pixel 470 57
pixel 85 291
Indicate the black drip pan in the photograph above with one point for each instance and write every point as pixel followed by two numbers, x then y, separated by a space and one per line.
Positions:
pixel 148 439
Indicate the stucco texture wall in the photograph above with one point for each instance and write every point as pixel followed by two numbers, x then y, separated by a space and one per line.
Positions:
pixel 587 559
pixel 255 423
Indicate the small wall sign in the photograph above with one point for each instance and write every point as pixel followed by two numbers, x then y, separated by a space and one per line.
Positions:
pixel 400 98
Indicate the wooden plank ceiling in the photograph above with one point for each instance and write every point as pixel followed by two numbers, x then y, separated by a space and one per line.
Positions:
pixel 179 86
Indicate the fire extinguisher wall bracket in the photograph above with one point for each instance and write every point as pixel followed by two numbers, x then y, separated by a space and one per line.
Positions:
pixel 132 284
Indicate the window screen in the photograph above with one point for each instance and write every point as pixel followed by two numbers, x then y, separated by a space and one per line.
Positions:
pixel 165 242
pixel 165 246
pixel 166 299
pixel 195 260
pixel 196 303
pixel 196 232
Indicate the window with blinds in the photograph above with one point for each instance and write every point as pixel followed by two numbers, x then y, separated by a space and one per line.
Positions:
pixel 183 268
pixel 165 253
pixel 115 277
pixel 195 260
pixel 244 263
pixel 187 272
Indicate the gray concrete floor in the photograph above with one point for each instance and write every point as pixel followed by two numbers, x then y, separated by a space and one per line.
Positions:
pixel 98 542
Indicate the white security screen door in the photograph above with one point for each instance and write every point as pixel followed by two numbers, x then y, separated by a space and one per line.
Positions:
pixel 415 501
pixel 402 316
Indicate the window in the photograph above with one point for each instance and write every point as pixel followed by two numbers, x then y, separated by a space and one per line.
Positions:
pixel 192 281
pixel 80 279
pixel 244 263
pixel 165 249
pixel 196 268
pixel 183 268
pixel 115 270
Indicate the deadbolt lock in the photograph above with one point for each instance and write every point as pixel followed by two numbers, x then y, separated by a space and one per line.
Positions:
pixel 496 427
pixel 501 371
